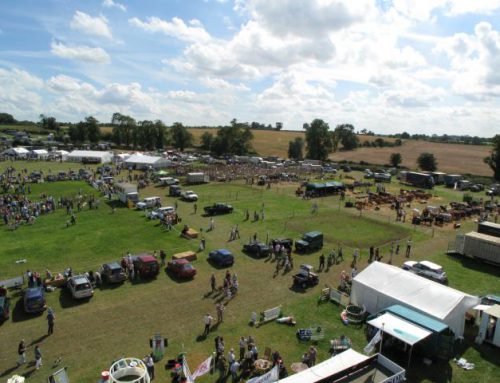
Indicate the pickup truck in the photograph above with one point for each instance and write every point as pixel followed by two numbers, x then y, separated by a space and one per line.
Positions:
pixel 305 277
pixel 189 196
pixel 218 208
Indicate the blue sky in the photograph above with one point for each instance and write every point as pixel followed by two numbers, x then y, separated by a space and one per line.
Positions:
pixel 382 65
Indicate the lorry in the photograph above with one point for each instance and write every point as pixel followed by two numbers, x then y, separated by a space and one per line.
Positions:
pixel 305 277
pixel 489 228
pixel 197 178
pixel 127 192
pixel 451 179
pixel 477 245
pixel 421 180
pixel 309 242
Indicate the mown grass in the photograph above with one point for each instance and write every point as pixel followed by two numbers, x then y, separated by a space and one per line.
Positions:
pixel 119 321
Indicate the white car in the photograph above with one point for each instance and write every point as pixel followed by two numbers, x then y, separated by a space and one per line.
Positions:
pixel 161 212
pixel 148 203
pixel 80 287
pixel 427 270
pixel 167 181
pixel 189 196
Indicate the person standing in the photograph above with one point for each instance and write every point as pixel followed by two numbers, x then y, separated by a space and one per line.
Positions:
pixel 21 350
pixel 213 282
pixel 370 260
pixel 355 257
pixel 312 355
pixel 195 207
pixel 150 365
pixel 220 312
pixel 391 253
pixel 408 248
pixel 38 357
pixel 163 257
pixel 233 368
pixel 51 318
pixel 237 232
pixel 212 225
pixel 243 345
pixel 207 320
pixel 321 262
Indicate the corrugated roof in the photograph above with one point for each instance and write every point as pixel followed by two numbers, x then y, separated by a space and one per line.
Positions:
pixel 484 237
pixel 417 318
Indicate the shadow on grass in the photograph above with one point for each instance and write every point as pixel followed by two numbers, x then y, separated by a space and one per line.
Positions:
pixel 9 371
pixel 110 286
pixel 177 279
pixel 19 315
pixel 297 289
pixel 37 340
pixel 476 265
pixel 116 204
pixel 217 266
pixel 66 300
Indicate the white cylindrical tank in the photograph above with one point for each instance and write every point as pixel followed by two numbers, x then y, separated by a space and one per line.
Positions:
pixel 129 370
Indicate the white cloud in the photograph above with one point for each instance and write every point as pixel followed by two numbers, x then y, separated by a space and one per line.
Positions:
pixel 80 53
pixel 175 28
pixel 95 26
pixel 114 4
pixel 20 92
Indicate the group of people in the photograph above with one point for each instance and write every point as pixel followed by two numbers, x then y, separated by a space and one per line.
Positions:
pixel 230 284
pixel 17 208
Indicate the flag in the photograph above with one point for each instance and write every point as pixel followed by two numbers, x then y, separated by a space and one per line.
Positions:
pixel 203 368
pixel 269 377
pixel 186 372
pixel 371 345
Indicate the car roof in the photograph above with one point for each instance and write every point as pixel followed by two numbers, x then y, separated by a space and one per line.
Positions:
pixel 80 279
pixel 33 292
pixel 410 263
pixel 313 233
pixel 224 252
pixel 113 265
pixel 431 265
pixel 146 258
pixel 165 208
pixel 151 198
pixel 180 261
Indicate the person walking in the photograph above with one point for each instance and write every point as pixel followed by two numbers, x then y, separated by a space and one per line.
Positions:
pixel 21 351
pixel 391 253
pixel 370 260
pixel 51 318
pixel 220 312
pixel 234 371
pixel 163 257
pixel 38 357
pixel 150 365
pixel 321 262
pixel 207 320
pixel 195 207
pixel 211 227
pixel 213 283
pixel 408 248
pixel 237 232
pixel 355 257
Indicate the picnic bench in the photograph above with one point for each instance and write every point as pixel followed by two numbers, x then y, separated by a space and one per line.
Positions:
pixel 190 233
pixel 187 255
pixel 339 345
pixel 313 334
pixel 269 315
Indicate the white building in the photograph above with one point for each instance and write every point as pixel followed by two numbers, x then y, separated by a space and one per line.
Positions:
pixel 18 152
pixel 380 285
pixel 142 161
pixel 90 156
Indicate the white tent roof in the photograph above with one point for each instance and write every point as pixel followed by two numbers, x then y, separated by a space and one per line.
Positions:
pixel 399 328
pixel 61 152
pixel 494 311
pixel 40 151
pixel 89 153
pixel 142 159
pixel 380 286
pixel 327 368
pixel 20 150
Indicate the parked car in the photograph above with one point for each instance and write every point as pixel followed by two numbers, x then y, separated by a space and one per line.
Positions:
pixel 493 190
pixel 189 196
pixel 477 188
pixel 221 257
pixel 427 270
pixel 112 273
pixel 161 212
pixel 309 242
pixel 148 202
pixel 174 191
pixel 181 268
pixel 305 277
pixel 34 300
pixel 80 287
pixel 146 266
pixel 218 208
pixel 257 249
pixel 4 308
pixel 286 242
pixel 168 181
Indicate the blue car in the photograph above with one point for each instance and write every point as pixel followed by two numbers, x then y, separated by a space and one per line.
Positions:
pixel 34 300
pixel 4 308
pixel 221 257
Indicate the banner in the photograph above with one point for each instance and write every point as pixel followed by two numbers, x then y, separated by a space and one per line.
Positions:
pixel 202 368
pixel 186 372
pixel 269 377
pixel 371 345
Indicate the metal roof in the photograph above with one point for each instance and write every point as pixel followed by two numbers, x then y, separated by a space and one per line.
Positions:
pixel 422 320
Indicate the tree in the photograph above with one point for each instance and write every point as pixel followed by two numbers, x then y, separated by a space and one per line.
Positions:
pixel 296 148
pixel 319 140
pixel 347 137
pixel 405 135
pixel 207 140
pixel 181 138
pixel 493 160
pixel 427 161
pixel 395 159
pixel 93 130
pixel 279 125
pixel 122 129
pixel 48 123
pixel 162 136
pixel 234 139
pixel 7 119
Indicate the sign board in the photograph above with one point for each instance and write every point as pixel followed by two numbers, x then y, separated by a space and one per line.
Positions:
pixel 59 376
pixel 339 297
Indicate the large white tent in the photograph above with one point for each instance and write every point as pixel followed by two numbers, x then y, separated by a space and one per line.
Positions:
pixel 144 161
pixel 40 153
pixel 92 155
pixel 17 152
pixel 380 286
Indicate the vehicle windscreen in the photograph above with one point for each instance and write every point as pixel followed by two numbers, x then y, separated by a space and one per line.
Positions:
pixel 82 286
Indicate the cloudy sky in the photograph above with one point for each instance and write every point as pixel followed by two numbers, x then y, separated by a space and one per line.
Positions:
pixel 424 66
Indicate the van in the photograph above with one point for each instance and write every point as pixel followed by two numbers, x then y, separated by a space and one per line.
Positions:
pixel 148 202
pixel 309 242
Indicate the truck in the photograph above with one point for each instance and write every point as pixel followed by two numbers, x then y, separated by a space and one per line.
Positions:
pixel 451 179
pixel 489 228
pixel 197 178
pixel 127 192
pixel 382 177
pixel 305 277
pixel 420 180
pixel 477 245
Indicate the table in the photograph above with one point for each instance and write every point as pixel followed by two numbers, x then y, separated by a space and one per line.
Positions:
pixel 339 345
pixel 187 255
pixel 297 367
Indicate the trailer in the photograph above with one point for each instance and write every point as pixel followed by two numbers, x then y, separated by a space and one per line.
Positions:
pixel 197 178
pixel 478 246
pixel 127 192
pixel 489 228
pixel 421 180
pixel 438 177
pixel 451 179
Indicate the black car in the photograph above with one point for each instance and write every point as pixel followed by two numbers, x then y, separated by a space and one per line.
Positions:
pixel 257 249
pixel 286 242
pixel 218 208
pixel 113 273
pixel 34 300
pixel 221 257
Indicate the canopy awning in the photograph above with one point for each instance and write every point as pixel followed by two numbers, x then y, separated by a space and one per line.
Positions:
pixel 481 307
pixel 494 311
pixel 398 328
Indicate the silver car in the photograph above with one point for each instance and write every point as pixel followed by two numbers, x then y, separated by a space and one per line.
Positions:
pixel 427 270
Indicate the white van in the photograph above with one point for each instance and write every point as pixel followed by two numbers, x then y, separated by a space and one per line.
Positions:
pixel 148 202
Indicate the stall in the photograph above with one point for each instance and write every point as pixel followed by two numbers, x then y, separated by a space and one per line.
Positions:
pixel 489 330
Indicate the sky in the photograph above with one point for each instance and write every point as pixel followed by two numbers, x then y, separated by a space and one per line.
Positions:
pixel 421 66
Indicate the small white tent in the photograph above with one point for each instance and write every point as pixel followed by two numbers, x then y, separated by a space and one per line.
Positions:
pixel 142 161
pixel 380 286
pixel 89 155
pixel 18 152
pixel 41 154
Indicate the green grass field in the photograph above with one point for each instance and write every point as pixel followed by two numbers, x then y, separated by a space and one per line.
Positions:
pixel 118 321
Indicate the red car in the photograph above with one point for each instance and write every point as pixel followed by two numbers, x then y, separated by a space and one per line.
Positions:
pixel 181 268
pixel 146 265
